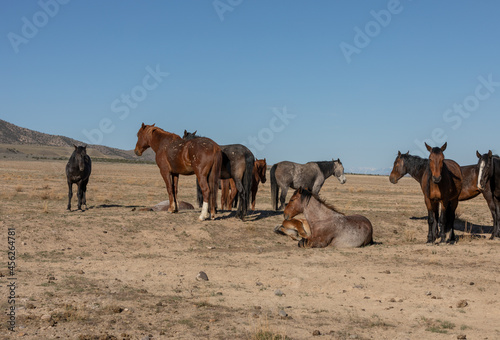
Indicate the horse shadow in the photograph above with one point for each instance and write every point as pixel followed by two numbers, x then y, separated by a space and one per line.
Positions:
pixel 106 206
pixel 476 230
pixel 252 215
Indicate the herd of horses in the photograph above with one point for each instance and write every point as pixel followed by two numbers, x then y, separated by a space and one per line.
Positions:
pixel 234 168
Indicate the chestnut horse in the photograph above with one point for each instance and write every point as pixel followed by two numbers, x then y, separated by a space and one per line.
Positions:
pixel 415 166
pixel 78 171
pixel 323 225
pixel 176 156
pixel 489 183
pixel 441 183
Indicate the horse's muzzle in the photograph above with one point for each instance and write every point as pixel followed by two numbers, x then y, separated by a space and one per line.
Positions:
pixel 137 152
pixel 436 179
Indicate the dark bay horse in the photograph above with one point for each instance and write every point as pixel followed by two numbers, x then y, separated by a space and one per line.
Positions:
pixel 228 188
pixel 237 164
pixel 258 175
pixel 78 171
pixel 323 225
pixel 441 183
pixel 309 176
pixel 176 156
pixel 415 166
pixel 489 183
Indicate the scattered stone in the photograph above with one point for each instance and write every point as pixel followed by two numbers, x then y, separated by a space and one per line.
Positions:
pixel 202 276
pixel 386 272
pixel 392 300
pixel 258 283
pixel 428 293
pixel 278 292
pixel 283 314
pixel 46 317
pixel 316 333
pixel 81 272
pixel 462 304
pixel 461 337
pixel 471 283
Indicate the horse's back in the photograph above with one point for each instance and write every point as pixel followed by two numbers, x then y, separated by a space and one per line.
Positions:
pixel 356 232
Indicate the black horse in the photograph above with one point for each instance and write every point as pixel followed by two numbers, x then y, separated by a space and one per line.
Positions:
pixel 237 163
pixel 78 171
pixel 488 182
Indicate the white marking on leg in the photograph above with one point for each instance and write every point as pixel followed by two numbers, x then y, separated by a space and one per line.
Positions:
pixel 204 212
pixel 481 169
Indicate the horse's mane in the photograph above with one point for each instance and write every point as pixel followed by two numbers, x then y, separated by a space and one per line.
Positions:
pixel 325 167
pixel 413 162
pixel 306 195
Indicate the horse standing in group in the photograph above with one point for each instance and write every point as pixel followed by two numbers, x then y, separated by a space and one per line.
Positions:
pixel 323 224
pixel 176 156
pixel 229 198
pixel 78 171
pixel 441 183
pixel 489 183
pixel 309 176
pixel 237 164
pixel 415 166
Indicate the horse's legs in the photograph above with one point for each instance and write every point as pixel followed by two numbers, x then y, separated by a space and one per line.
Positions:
pixel 175 185
pixel 241 211
pixel 70 194
pixel 450 236
pixel 496 222
pixel 79 194
pixel 205 189
pixel 284 191
pixel 312 243
pixel 232 194
pixel 255 187
pixel 224 193
pixel 294 228
pixel 84 192
pixel 432 220
pixel 167 178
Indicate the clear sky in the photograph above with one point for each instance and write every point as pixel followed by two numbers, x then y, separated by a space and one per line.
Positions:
pixel 293 80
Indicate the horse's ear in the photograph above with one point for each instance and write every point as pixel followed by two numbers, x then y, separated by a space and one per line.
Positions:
pixel 408 152
pixel 478 154
pixel 444 146
pixel 143 126
pixel 153 124
pixel 185 133
pixel 399 153
pixel 75 146
pixel 490 154
pixel 428 147
pixel 195 131
pixel 299 190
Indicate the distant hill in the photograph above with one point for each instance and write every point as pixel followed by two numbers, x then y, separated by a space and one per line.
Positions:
pixel 18 141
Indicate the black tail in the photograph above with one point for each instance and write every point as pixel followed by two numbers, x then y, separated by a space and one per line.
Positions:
pixel 274 187
pixel 247 183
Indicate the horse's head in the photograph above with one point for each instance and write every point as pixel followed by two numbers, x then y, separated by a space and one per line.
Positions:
pixel 143 139
pixel 261 167
pixel 436 159
pixel 484 164
pixel 339 171
pixel 399 168
pixel 189 135
pixel 80 155
pixel 295 205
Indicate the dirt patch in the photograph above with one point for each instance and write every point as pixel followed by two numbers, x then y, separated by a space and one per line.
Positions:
pixel 115 272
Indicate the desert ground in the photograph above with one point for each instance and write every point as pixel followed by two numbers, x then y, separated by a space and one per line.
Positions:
pixel 114 272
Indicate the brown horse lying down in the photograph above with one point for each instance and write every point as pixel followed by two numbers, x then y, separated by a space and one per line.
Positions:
pixel 163 206
pixel 323 225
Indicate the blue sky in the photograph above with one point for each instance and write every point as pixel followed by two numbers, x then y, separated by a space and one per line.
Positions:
pixel 293 80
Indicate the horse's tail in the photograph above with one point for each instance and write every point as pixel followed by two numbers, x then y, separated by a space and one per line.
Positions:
pixel 213 178
pixel 274 187
pixel 247 180
pixel 199 194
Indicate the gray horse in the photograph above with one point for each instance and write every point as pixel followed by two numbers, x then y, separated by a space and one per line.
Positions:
pixel 309 176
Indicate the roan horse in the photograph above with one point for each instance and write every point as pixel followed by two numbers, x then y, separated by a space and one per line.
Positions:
pixel 228 189
pixel 415 166
pixel 489 183
pixel 323 225
pixel 237 163
pixel 441 183
pixel 78 171
pixel 310 176
pixel 176 156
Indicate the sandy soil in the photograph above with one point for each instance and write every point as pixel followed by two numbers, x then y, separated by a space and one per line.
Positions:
pixel 114 272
